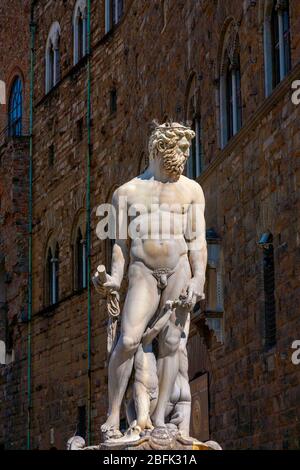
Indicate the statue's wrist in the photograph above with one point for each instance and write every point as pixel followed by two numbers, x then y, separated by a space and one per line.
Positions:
pixel 117 281
pixel 199 279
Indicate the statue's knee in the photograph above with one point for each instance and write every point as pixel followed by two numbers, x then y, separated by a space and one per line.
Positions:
pixel 129 344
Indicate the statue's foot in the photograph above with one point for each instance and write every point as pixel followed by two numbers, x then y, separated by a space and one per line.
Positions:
pixel 110 429
pixel 132 434
pixel 158 421
pixel 172 427
pixel 149 426
pixel 161 436
pixel 75 443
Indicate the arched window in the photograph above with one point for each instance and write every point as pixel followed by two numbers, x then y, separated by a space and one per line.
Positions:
pixel 195 162
pixel 52 58
pixel 15 108
pixel 233 99
pixel 230 87
pixel 114 10
pixel 80 30
pixel 52 275
pixel 277 42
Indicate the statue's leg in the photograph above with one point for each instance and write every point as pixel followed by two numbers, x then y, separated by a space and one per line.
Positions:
pixel 183 407
pixel 140 305
pixel 167 367
pixel 129 404
pixel 142 404
pixel 169 341
pixel 145 386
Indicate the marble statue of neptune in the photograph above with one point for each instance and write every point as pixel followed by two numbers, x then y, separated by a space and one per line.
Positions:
pixel 164 254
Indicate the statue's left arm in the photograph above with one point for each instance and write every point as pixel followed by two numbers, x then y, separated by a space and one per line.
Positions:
pixel 196 239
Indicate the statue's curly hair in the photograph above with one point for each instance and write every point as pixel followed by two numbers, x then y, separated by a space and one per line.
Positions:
pixel 164 137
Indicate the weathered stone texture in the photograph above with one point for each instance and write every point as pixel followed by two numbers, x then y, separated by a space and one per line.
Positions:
pixel 250 186
pixel 14 191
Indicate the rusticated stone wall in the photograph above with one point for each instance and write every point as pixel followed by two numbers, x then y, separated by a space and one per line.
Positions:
pixel 14 192
pixel 14 186
pixel 251 186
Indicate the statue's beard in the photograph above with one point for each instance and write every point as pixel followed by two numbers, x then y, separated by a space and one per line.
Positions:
pixel 173 163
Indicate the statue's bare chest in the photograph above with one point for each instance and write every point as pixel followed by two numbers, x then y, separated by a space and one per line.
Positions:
pixel 163 195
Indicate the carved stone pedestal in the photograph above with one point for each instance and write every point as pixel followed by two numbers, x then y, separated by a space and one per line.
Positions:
pixel 158 439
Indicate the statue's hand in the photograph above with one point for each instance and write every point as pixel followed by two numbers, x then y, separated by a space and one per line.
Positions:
pixel 111 284
pixel 97 283
pixel 194 292
pixel 105 283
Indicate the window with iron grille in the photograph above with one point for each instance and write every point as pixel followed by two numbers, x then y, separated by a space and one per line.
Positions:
pixel 269 292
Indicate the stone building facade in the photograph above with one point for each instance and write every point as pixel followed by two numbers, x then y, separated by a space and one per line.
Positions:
pixel 228 67
pixel 14 191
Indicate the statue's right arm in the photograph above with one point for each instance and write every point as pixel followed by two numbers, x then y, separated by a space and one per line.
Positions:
pixel 120 253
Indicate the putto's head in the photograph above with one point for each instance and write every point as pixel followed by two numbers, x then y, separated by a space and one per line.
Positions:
pixel 171 142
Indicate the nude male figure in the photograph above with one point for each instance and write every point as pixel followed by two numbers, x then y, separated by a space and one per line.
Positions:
pixel 164 263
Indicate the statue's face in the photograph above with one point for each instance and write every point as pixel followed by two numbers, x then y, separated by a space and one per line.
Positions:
pixel 174 160
pixel 183 148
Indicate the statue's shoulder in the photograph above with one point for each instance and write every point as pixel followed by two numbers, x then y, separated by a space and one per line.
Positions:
pixel 190 183
pixel 193 186
pixel 126 188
